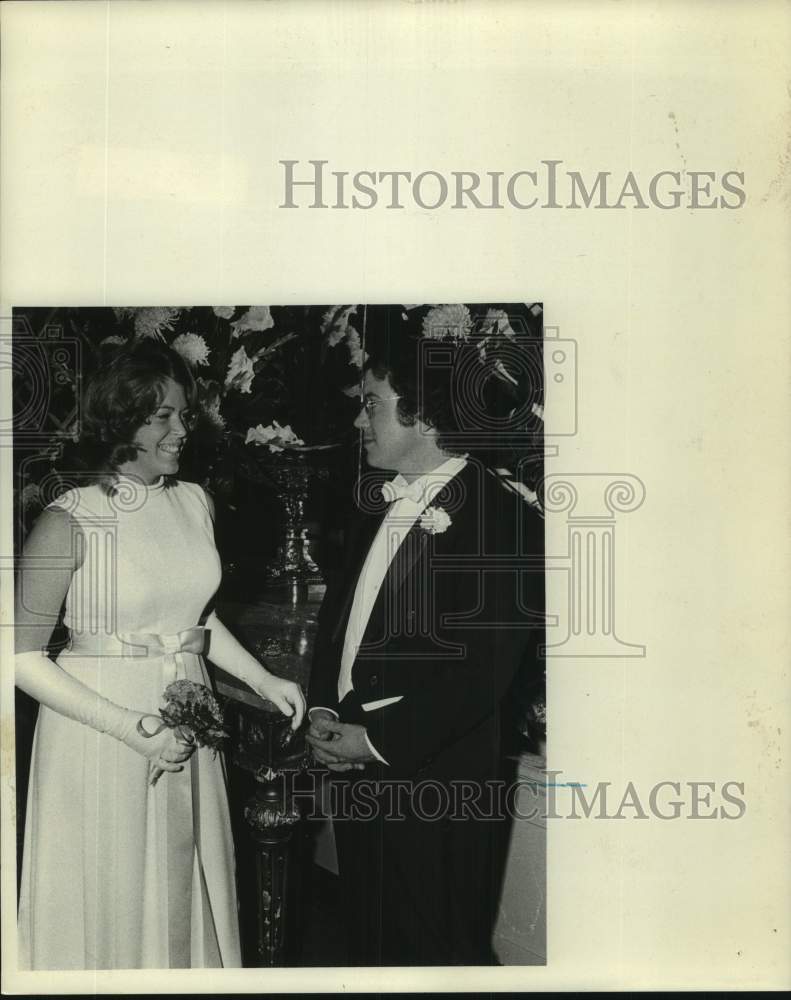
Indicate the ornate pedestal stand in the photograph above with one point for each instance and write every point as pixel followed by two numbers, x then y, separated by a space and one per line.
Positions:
pixel 266 760
pixel 263 747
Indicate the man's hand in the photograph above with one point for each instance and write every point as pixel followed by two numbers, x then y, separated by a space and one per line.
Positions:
pixel 315 716
pixel 340 746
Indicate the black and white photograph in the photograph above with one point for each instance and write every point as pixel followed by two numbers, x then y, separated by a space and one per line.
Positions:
pixel 394 414
pixel 279 636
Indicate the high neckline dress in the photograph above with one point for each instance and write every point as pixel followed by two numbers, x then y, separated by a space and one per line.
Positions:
pixel 118 874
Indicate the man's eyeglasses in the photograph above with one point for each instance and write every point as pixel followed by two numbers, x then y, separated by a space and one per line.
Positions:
pixel 369 403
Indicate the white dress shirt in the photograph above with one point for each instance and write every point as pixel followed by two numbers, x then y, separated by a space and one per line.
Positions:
pixel 412 500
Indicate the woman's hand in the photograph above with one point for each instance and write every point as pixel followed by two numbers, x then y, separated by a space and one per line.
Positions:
pixel 228 653
pixel 287 695
pixel 166 750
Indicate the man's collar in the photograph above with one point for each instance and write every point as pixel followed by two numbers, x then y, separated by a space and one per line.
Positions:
pixel 423 489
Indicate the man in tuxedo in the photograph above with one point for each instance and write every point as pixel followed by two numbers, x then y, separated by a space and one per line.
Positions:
pixel 419 640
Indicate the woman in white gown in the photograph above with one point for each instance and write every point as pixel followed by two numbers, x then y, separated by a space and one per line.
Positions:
pixel 128 857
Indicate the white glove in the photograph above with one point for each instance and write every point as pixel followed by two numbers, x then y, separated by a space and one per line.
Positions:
pixel 45 681
pixel 229 654
pixel 138 730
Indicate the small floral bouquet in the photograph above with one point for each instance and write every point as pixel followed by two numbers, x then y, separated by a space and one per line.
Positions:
pixel 195 712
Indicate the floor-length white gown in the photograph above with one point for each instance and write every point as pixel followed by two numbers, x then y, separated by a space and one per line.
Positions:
pixel 118 874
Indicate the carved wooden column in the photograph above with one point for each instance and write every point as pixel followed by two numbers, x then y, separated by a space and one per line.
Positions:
pixel 271 819
pixel 264 747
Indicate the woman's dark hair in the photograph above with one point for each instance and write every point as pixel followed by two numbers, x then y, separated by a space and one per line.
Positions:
pixel 120 396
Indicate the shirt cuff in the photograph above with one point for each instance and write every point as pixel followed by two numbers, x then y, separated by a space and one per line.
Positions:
pixel 322 708
pixel 374 751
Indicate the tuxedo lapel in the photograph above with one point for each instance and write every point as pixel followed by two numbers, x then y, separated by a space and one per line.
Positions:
pixel 404 561
pixel 359 544
pixel 413 550
pixel 415 547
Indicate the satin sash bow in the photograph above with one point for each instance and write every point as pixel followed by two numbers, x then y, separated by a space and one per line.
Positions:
pixel 169 646
pixel 172 647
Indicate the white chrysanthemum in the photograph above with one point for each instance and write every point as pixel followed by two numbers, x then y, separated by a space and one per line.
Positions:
pixel 274 436
pixel 224 312
pixel 151 322
pixel 435 520
pixel 240 372
pixel 122 313
pixel 256 318
pixel 192 347
pixel 448 321
pixel 114 339
pixel 496 321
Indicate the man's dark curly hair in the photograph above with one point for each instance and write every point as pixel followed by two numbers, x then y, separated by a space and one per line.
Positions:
pixel 425 392
pixel 120 396
pixel 443 384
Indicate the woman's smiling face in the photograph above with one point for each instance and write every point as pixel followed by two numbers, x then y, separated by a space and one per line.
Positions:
pixel 161 437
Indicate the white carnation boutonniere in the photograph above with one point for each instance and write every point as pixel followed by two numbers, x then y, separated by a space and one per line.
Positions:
pixel 434 521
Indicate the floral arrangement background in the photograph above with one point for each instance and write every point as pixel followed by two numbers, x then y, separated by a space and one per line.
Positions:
pixel 276 386
pixel 270 377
